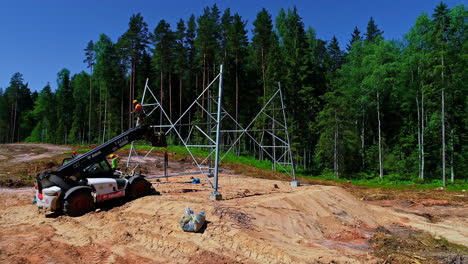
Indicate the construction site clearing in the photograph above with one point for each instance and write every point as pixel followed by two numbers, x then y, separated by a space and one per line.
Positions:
pixel 261 219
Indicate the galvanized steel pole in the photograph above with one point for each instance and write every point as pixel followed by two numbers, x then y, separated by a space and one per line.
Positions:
pixel 294 182
pixel 218 128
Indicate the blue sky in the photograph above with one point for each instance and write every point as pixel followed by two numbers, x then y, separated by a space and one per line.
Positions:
pixel 40 37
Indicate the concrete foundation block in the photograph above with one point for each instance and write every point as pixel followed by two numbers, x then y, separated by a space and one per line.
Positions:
pixel 295 184
pixel 216 196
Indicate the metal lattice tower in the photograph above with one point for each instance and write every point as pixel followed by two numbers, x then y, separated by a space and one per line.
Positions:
pixel 203 131
pixel 272 117
pixel 207 131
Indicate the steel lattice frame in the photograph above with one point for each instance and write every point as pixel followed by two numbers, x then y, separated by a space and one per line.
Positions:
pixel 279 152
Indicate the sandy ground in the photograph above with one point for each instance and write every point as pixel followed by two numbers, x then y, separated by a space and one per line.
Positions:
pixel 20 162
pixel 258 221
pixel 17 153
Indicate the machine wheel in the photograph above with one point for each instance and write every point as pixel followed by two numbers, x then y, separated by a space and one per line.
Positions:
pixel 138 188
pixel 79 203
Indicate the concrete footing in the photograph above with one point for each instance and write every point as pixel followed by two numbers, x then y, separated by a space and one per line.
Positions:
pixel 216 196
pixel 295 184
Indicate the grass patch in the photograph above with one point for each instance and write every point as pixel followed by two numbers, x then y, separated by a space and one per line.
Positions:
pixel 393 184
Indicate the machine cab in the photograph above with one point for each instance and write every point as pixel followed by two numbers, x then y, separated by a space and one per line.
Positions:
pixel 98 170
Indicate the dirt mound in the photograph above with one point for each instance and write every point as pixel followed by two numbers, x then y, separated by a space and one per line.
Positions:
pixel 259 221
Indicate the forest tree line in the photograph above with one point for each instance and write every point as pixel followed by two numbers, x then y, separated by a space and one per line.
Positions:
pixel 379 107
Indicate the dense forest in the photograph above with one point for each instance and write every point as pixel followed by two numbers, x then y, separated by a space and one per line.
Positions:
pixel 379 108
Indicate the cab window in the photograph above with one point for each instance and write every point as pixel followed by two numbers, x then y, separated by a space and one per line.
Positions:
pixel 98 168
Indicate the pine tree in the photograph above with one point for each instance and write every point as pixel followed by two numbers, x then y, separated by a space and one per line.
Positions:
pixel 302 104
pixel 237 45
pixel 180 61
pixel 338 141
pixel 133 43
pixel 192 76
pixel 64 106
pixel 416 64
pixel 3 117
pixel 110 73
pixel 335 55
pixel 441 24
pixel 318 56
pixel 262 41
pixel 45 115
pixel 373 32
pixel 18 102
pixel 90 61
pixel 458 91
pixel 80 83
pixel 225 26
pixel 12 94
pixel 207 43
pixel 164 43
pixel 355 36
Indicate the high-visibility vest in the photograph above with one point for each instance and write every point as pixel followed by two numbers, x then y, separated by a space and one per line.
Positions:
pixel 115 162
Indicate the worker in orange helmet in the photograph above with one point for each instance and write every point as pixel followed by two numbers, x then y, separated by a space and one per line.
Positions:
pixel 138 108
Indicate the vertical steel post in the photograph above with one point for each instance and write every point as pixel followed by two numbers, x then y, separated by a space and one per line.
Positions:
pixel 294 182
pixel 218 128
pixel 209 135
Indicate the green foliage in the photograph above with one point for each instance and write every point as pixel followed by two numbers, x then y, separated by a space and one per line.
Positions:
pixel 338 104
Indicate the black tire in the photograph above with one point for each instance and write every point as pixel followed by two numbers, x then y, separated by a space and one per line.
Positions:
pixel 79 203
pixel 138 188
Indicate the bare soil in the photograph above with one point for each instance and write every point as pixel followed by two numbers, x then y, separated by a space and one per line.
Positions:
pixel 258 221
pixel 20 162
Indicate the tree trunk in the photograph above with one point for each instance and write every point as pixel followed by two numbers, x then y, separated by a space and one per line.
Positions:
pixel 161 98
pixel 335 150
pixel 380 137
pixel 274 146
pixel 419 136
pixel 422 135
pixel 442 120
pixel 203 83
pixel 237 91
pixel 105 119
pixel 13 120
pixel 264 84
pixel 131 92
pixel 196 85
pixel 100 111
pixel 170 96
pixel 263 72
pixel 122 107
pixel 90 103
pixel 452 172
pixel 363 130
pixel 180 99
